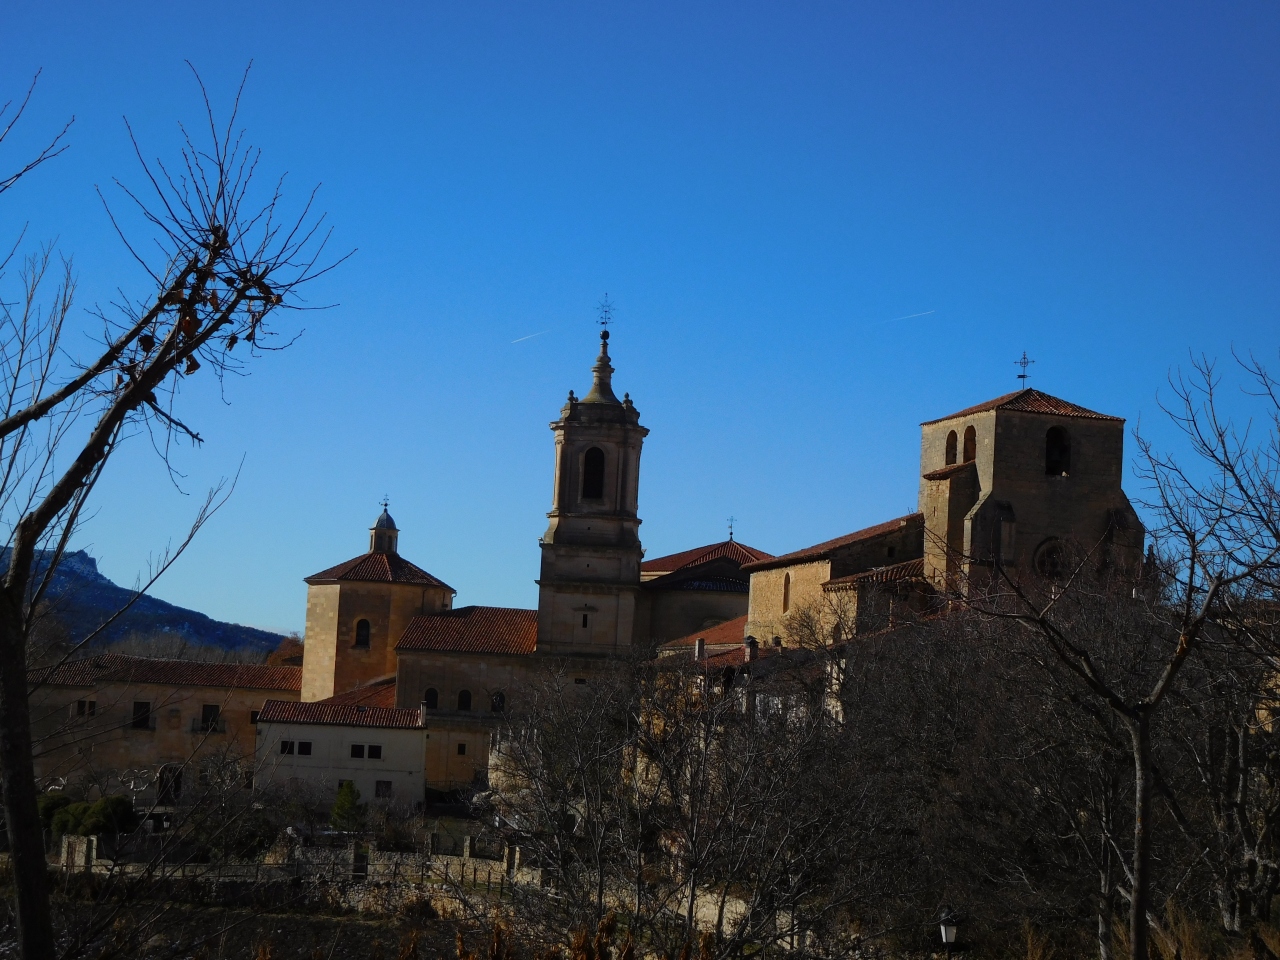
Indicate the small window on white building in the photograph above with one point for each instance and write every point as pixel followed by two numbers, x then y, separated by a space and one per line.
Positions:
pixel 375 751
pixel 304 748
pixel 357 751
pixel 382 789
pixel 286 748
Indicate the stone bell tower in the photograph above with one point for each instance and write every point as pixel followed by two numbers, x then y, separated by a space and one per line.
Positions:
pixel 589 585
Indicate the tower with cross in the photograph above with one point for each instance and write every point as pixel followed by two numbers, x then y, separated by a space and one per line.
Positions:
pixel 589 583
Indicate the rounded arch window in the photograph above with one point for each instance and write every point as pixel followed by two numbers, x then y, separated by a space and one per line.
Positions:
pixel 1057 452
pixel 464 699
pixel 362 633
pixel 498 702
pixel 593 474
pixel 786 592
pixel 970 444
pixel 1051 559
pixel 431 699
pixel 952 440
pixel 169 784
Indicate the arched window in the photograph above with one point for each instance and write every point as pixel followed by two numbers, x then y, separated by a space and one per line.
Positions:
pixel 593 474
pixel 786 592
pixel 362 633
pixel 169 784
pixel 970 444
pixel 498 702
pixel 1057 452
pixel 1050 559
pixel 464 699
pixel 431 699
pixel 951 448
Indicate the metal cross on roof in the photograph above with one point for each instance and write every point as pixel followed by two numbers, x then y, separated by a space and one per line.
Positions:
pixel 1023 363
pixel 606 312
pixel 732 520
pixel 386 501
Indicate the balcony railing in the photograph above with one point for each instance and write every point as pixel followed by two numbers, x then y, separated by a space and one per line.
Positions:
pixel 209 726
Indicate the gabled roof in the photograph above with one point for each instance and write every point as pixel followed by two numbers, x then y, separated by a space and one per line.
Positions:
pixel 1029 401
pixel 732 549
pixel 474 630
pixel 820 551
pixel 908 570
pixel 118 668
pixel 339 714
pixel 378 568
pixel 722 634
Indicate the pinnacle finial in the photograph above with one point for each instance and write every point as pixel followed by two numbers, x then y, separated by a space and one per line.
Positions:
pixel 602 372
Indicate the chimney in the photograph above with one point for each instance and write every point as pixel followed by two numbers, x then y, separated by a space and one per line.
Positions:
pixel 753 649
pixel 422 714
pixel 700 649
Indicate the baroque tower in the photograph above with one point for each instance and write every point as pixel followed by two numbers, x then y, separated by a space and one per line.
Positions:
pixel 589 585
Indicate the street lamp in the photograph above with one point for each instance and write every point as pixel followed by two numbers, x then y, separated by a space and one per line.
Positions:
pixel 948 925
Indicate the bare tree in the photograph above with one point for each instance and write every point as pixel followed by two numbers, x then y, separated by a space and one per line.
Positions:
pixel 226 258
pixel 1218 528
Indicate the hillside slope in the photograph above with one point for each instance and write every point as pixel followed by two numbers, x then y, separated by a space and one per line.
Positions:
pixel 82 599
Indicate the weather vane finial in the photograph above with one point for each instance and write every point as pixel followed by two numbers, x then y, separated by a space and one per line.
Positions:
pixel 606 316
pixel 732 521
pixel 1023 363
pixel 385 501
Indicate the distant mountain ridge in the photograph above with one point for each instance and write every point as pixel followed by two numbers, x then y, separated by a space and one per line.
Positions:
pixel 82 599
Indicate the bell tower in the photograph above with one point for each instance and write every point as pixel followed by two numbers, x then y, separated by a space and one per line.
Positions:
pixel 589 585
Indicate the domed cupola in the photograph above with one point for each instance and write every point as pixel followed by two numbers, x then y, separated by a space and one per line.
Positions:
pixel 384 536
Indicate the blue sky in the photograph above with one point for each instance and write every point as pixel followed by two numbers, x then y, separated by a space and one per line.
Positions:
pixel 762 189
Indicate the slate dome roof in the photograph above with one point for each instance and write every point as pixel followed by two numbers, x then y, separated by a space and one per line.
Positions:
pixel 385 522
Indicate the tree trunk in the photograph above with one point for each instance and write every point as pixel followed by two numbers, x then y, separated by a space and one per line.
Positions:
pixel 17 777
pixel 1139 931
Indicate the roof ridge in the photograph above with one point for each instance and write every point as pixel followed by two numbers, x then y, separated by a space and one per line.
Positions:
pixel 1028 400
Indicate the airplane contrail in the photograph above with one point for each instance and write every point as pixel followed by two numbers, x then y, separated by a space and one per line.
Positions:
pixel 911 316
pixel 530 336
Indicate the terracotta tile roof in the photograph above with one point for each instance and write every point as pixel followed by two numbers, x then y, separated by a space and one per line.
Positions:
pixel 688 558
pixel 908 570
pixel 737 657
pixel 379 693
pixel 378 568
pixel 950 470
pixel 722 634
pixel 821 550
pixel 338 714
pixel 118 668
pixel 1029 401
pixel 474 630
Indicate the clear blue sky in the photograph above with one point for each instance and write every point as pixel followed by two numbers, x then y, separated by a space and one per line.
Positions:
pixel 761 188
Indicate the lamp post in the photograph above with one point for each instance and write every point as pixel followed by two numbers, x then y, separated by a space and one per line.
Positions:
pixel 949 925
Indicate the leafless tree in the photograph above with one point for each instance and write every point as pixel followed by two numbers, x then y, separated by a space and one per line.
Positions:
pixel 222 258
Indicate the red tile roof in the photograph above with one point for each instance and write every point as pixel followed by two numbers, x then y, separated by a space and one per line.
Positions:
pixel 908 570
pixel 722 634
pixel 822 550
pixel 737 657
pixel 378 568
pixel 379 693
pixel 118 668
pixel 732 549
pixel 949 470
pixel 1029 401
pixel 474 630
pixel 339 714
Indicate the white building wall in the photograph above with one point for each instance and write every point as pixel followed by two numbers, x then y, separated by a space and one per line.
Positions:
pixel 330 760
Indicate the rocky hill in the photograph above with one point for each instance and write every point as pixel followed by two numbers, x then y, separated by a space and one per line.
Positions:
pixel 82 599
